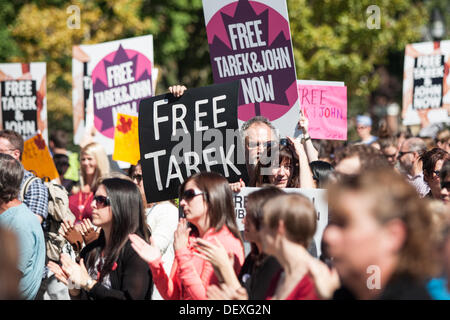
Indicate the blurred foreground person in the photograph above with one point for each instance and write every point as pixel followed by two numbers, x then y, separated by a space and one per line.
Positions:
pixel 380 235
pixel 9 262
pixel 18 218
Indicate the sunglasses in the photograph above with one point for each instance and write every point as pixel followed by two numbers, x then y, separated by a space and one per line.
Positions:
pixel 266 144
pixel 190 194
pixel 137 177
pixel 102 201
pixel 402 153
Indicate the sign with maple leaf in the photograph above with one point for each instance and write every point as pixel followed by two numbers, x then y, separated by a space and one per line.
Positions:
pixel 126 139
pixel 109 78
pixel 250 41
pixel 36 157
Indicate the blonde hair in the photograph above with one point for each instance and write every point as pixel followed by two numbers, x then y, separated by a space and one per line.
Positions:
pixel 298 214
pixel 95 150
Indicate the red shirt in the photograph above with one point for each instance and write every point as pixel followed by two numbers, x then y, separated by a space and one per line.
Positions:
pixel 80 205
pixel 304 290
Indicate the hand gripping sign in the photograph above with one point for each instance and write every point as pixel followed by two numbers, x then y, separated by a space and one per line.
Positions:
pixel 181 136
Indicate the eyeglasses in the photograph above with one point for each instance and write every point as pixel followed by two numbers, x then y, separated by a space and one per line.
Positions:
pixel 437 172
pixel 265 144
pixel 6 150
pixel 190 194
pixel 102 201
pixel 402 153
pixel 137 177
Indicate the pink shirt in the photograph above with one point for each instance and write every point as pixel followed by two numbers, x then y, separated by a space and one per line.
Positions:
pixel 191 276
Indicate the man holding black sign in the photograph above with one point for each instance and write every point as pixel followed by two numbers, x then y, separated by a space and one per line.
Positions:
pixel 181 136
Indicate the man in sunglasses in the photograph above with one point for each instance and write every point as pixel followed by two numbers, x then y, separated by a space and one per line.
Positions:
pixel 410 164
pixel 258 134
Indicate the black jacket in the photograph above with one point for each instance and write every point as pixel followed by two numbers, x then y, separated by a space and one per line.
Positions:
pixel 131 280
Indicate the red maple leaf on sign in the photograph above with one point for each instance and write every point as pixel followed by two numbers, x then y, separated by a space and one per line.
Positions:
pixel 124 124
pixel 39 142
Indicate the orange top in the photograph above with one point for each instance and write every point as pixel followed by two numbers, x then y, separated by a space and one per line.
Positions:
pixel 191 276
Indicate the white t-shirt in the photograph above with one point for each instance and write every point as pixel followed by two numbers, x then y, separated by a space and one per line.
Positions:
pixel 163 221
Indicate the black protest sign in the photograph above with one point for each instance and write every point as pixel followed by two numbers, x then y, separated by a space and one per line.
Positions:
pixel 428 81
pixel 181 136
pixel 19 107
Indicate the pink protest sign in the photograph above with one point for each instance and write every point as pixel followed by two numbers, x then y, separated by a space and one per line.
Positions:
pixel 325 106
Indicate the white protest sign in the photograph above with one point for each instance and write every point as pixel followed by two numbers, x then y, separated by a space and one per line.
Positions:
pixel 317 196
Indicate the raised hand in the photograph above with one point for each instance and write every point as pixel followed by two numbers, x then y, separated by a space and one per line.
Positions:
pixel 326 280
pixel 296 146
pixel 59 273
pixel 181 235
pixel 76 273
pixel 216 253
pixel 148 252
pixel 72 235
pixel 177 90
pixel 303 123
pixel 88 231
pixel 237 186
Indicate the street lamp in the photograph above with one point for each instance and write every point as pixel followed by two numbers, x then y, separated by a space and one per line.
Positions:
pixel 437 25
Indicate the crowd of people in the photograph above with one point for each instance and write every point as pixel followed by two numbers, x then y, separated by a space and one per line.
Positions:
pixel 387 235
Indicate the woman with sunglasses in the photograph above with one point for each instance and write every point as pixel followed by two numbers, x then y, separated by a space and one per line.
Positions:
pixel 109 268
pixel 162 218
pixel 207 203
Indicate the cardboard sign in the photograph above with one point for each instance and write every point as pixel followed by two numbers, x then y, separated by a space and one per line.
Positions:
pixel 36 157
pixel 426 83
pixel 250 41
pixel 23 98
pixel 181 136
pixel 325 105
pixel 126 139
pixel 109 78
pixel 317 196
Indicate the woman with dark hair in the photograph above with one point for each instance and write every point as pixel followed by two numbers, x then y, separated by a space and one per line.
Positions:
pixel 291 170
pixel 258 267
pixel 162 218
pixel 207 202
pixel 321 171
pixel 112 270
